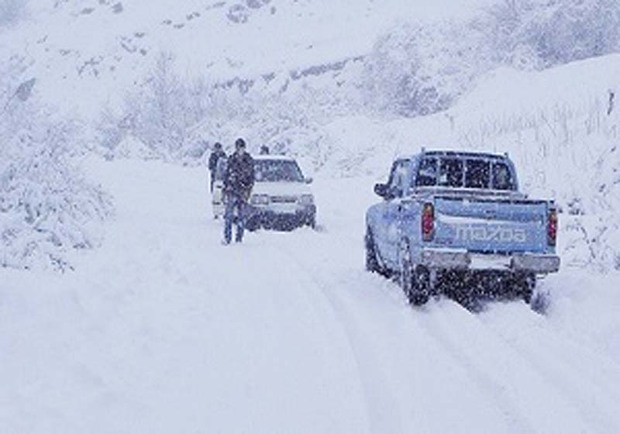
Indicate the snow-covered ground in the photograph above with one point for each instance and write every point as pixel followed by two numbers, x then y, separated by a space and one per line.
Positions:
pixel 165 330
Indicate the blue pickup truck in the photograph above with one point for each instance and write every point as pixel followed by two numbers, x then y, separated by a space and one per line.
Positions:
pixel 450 220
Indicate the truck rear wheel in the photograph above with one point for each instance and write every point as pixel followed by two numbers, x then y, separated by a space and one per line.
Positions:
pixel 524 286
pixel 414 282
pixel 312 222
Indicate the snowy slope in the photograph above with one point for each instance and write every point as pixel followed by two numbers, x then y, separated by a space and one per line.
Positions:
pixel 89 52
pixel 165 330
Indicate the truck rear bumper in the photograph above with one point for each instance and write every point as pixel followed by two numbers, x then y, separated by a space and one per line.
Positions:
pixel 450 259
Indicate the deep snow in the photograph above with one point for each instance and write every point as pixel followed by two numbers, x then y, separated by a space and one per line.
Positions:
pixel 162 329
pixel 165 330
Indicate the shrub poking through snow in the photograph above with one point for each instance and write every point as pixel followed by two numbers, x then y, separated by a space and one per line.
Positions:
pixel 47 208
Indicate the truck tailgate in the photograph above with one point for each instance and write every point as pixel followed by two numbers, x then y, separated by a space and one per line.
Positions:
pixel 490 225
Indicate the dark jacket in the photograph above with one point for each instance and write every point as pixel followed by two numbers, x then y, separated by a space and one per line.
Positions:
pixel 213 159
pixel 239 178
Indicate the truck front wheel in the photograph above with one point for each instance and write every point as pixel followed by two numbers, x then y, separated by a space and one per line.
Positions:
pixel 372 264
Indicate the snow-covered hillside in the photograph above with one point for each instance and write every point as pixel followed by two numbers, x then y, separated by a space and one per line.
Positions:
pixel 87 53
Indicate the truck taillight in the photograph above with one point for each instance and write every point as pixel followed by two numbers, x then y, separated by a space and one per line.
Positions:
pixel 552 227
pixel 428 222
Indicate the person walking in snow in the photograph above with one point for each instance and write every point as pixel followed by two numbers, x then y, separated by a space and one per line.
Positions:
pixel 215 156
pixel 238 184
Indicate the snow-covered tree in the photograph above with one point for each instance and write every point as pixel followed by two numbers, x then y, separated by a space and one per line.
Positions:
pixel 552 32
pixel 420 69
pixel 158 108
pixel 162 113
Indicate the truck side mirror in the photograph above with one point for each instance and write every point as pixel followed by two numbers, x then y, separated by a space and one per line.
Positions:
pixel 383 190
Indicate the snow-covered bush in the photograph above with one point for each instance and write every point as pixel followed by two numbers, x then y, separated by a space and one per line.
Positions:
pixel 288 122
pixel 417 69
pixel 421 69
pixel 592 229
pixel 47 208
pixel 552 32
pixel 177 119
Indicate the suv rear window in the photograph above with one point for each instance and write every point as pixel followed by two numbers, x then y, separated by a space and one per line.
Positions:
pixel 277 171
pixel 457 172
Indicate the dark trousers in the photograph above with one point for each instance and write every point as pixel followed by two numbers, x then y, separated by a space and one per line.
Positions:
pixel 235 212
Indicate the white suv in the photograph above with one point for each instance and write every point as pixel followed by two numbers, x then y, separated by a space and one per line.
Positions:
pixel 281 197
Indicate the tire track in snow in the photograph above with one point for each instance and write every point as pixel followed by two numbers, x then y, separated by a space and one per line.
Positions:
pixel 568 367
pixel 514 380
pixel 294 335
pixel 368 368
pixel 493 389
pixel 419 392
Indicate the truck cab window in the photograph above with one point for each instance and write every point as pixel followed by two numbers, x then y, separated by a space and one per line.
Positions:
pixel 427 173
pixel 451 172
pixel 502 177
pixel 477 173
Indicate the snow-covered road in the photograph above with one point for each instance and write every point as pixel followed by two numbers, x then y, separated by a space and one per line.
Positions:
pixel 164 330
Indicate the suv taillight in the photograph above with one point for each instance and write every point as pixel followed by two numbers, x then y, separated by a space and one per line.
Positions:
pixel 552 227
pixel 428 222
